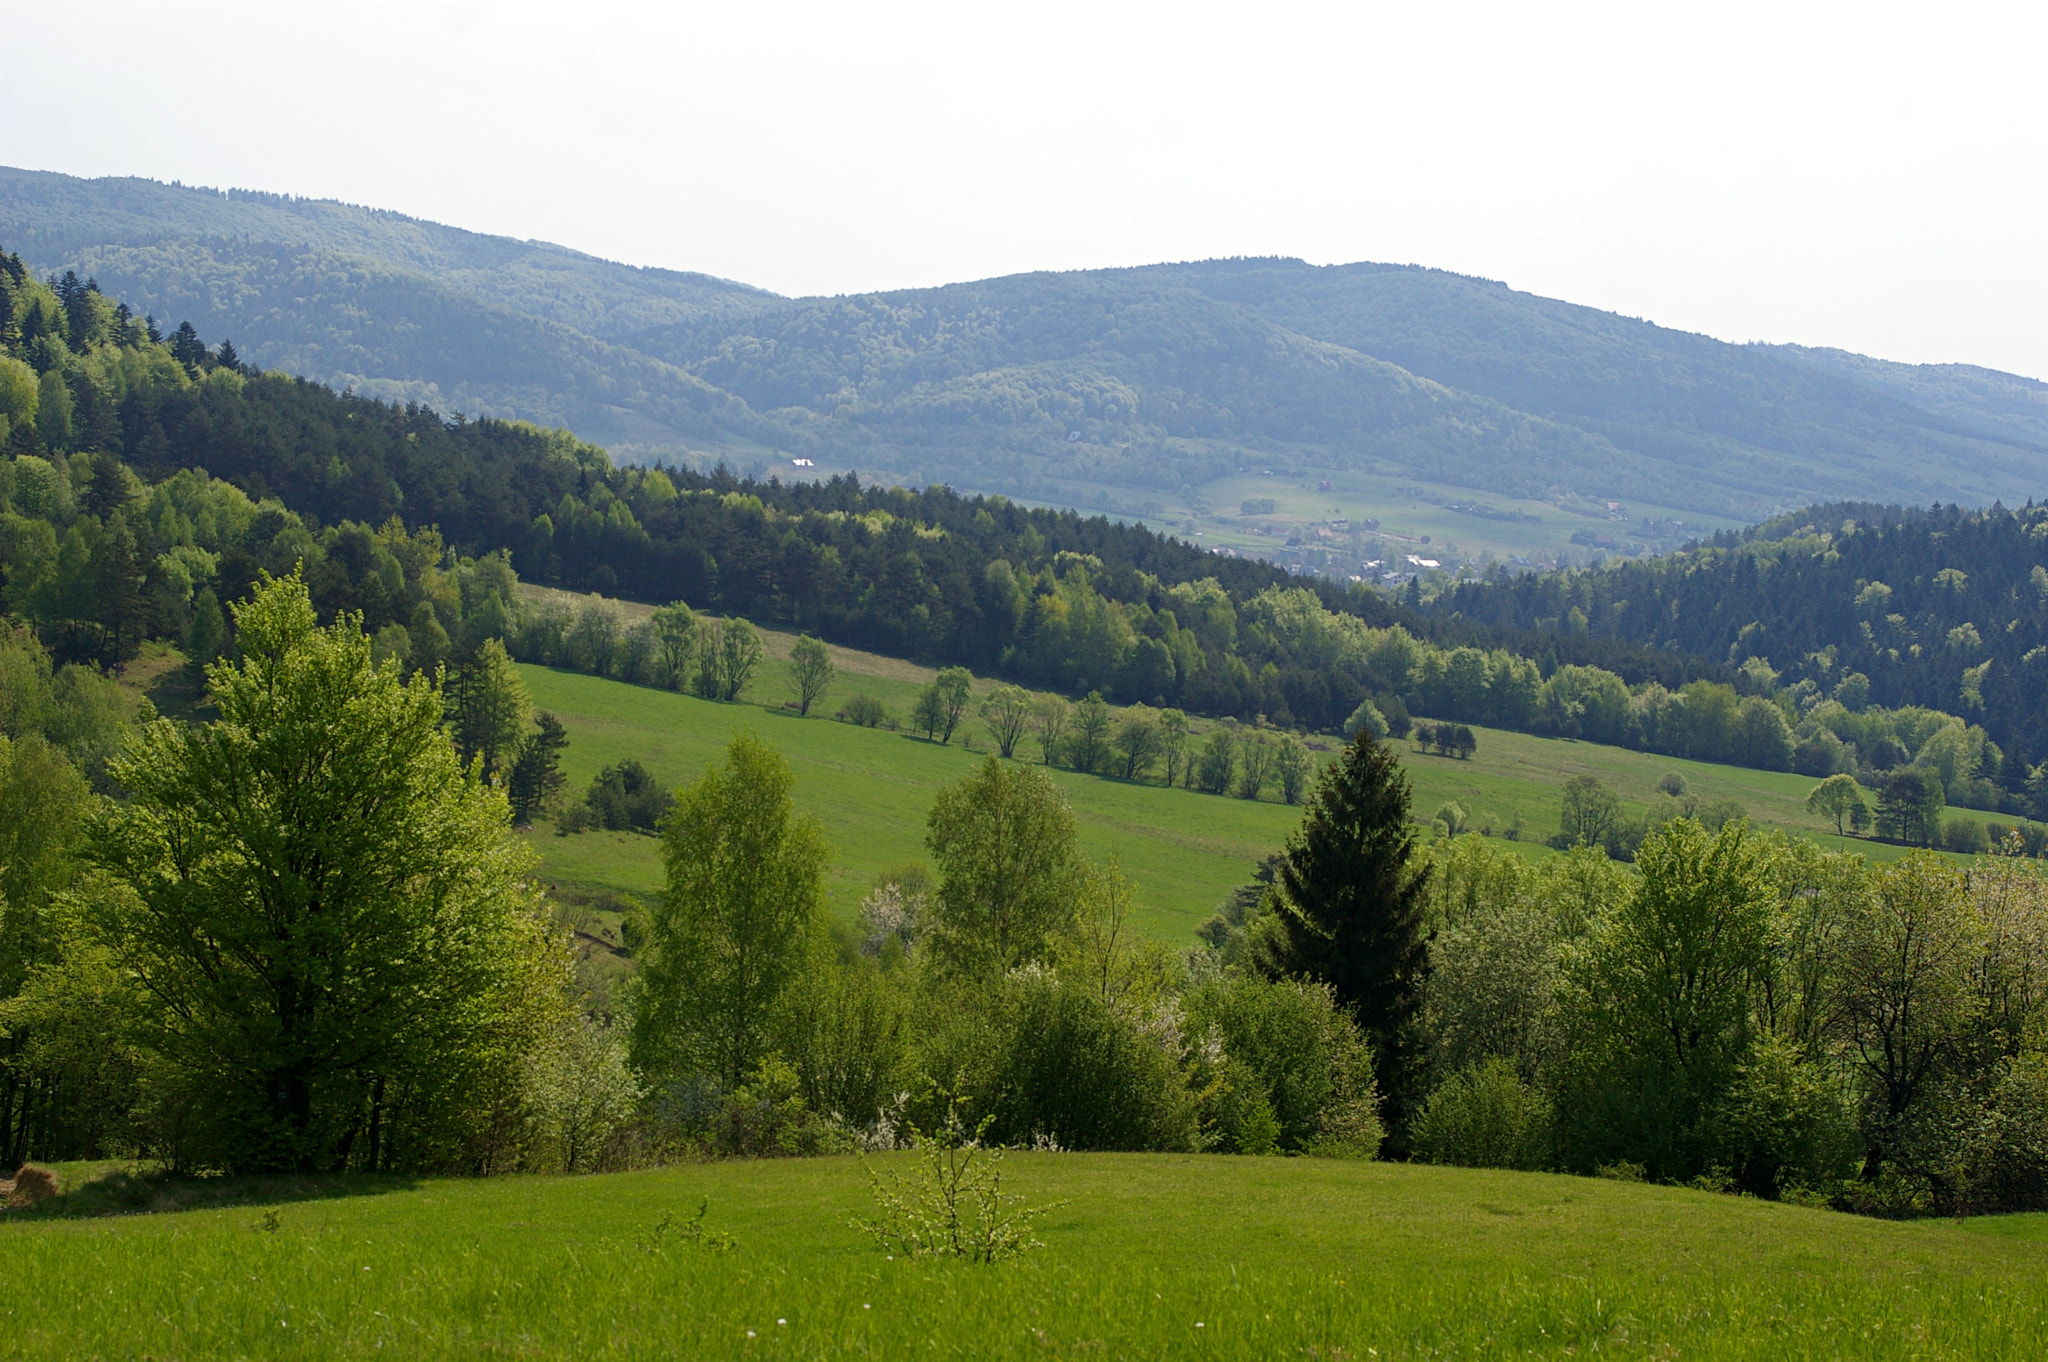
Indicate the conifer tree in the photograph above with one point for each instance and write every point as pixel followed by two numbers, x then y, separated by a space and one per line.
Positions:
pixel 1351 907
pixel 536 778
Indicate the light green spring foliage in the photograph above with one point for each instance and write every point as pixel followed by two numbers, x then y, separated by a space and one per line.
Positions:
pixel 1910 952
pixel 1003 840
pixel 1661 1012
pixel 1007 712
pixel 324 908
pixel 1837 797
pixel 953 1204
pixel 729 935
pixel 728 655
pixel 810 672
pixel 1283 1052
pixel 1486 1116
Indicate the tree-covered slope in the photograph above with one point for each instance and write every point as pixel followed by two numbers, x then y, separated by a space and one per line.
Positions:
pixel 44 216
pixel 1163 378
pixel 1946 608
pixel 1114 378
pixel 1749 422
pixel 356 322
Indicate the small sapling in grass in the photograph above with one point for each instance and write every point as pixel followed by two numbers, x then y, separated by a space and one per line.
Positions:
pixel 691 1233
pixel 953 1205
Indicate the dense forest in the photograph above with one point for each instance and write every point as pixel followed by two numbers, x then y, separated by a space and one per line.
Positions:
pixel 1845 606
pixel 1057 386
pixel 151 478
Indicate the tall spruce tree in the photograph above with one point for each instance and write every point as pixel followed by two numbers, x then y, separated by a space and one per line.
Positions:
pixel 1351 909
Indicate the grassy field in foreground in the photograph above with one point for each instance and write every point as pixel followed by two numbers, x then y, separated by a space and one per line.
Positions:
pixel 1150 1256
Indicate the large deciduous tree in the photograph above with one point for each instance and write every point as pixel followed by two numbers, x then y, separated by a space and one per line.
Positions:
pixel 1667 986
pixel 729 935
pixel 1004 842
pixel 341 952
pixel 1007 712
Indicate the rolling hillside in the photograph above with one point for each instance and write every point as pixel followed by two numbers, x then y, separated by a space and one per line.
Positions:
pixel 1184 851
pixel 1143 391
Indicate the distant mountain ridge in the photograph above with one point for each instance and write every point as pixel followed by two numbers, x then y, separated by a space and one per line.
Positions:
pixel 1159 378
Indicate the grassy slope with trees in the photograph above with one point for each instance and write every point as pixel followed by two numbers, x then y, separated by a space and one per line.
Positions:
pixel 300 938
pixel 1170 375
pixel 1186 850
pixel 1048 598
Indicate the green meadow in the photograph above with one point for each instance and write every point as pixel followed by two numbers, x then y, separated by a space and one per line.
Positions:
pixel 872 788
pixel 1145 1256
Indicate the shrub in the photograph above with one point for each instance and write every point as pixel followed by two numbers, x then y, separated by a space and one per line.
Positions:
pixel 2007 1160
pixel 1067 1065
pixel 1966 835
pixel 864 710
pixel 1786 1125
pixel 1485 1116
pixel 1306 1055
pixel 842 1031
pixel 621 797
pixel 954 1204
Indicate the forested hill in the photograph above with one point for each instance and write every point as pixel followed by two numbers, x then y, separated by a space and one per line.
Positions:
pixel 1941 607
pixel 1158 380
pixel 147 476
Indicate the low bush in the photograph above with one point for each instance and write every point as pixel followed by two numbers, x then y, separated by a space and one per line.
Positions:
pixel 1485 1116
pixel 864 710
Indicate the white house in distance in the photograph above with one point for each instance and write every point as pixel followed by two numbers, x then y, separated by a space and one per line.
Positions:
pixel 1415 562
pixel 801 463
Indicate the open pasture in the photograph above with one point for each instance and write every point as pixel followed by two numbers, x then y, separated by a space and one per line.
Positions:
pixel 872 788
pixel 1150 1256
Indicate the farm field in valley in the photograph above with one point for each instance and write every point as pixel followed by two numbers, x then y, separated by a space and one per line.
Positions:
pixel 1150 1256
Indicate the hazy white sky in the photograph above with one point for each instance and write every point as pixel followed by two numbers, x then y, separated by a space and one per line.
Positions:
pixel 1867 175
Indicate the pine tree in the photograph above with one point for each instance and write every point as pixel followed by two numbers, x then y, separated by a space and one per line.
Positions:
pixel 187 348
pixel 226 358
pixel 122 611
pixel 536 776
pixel 1352 906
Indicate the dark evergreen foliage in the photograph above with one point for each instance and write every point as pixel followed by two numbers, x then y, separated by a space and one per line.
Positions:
pixel 1943 607
pixel 1351 901
pixel 536 778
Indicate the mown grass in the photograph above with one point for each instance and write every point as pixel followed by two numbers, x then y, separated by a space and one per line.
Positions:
pixel 1151 1256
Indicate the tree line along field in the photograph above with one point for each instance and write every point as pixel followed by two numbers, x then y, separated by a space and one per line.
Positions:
pixel 871 787
pixel 1151 1256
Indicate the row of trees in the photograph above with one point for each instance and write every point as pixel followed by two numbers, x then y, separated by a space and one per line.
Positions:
pixel 305 939
pixel 1747 1012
